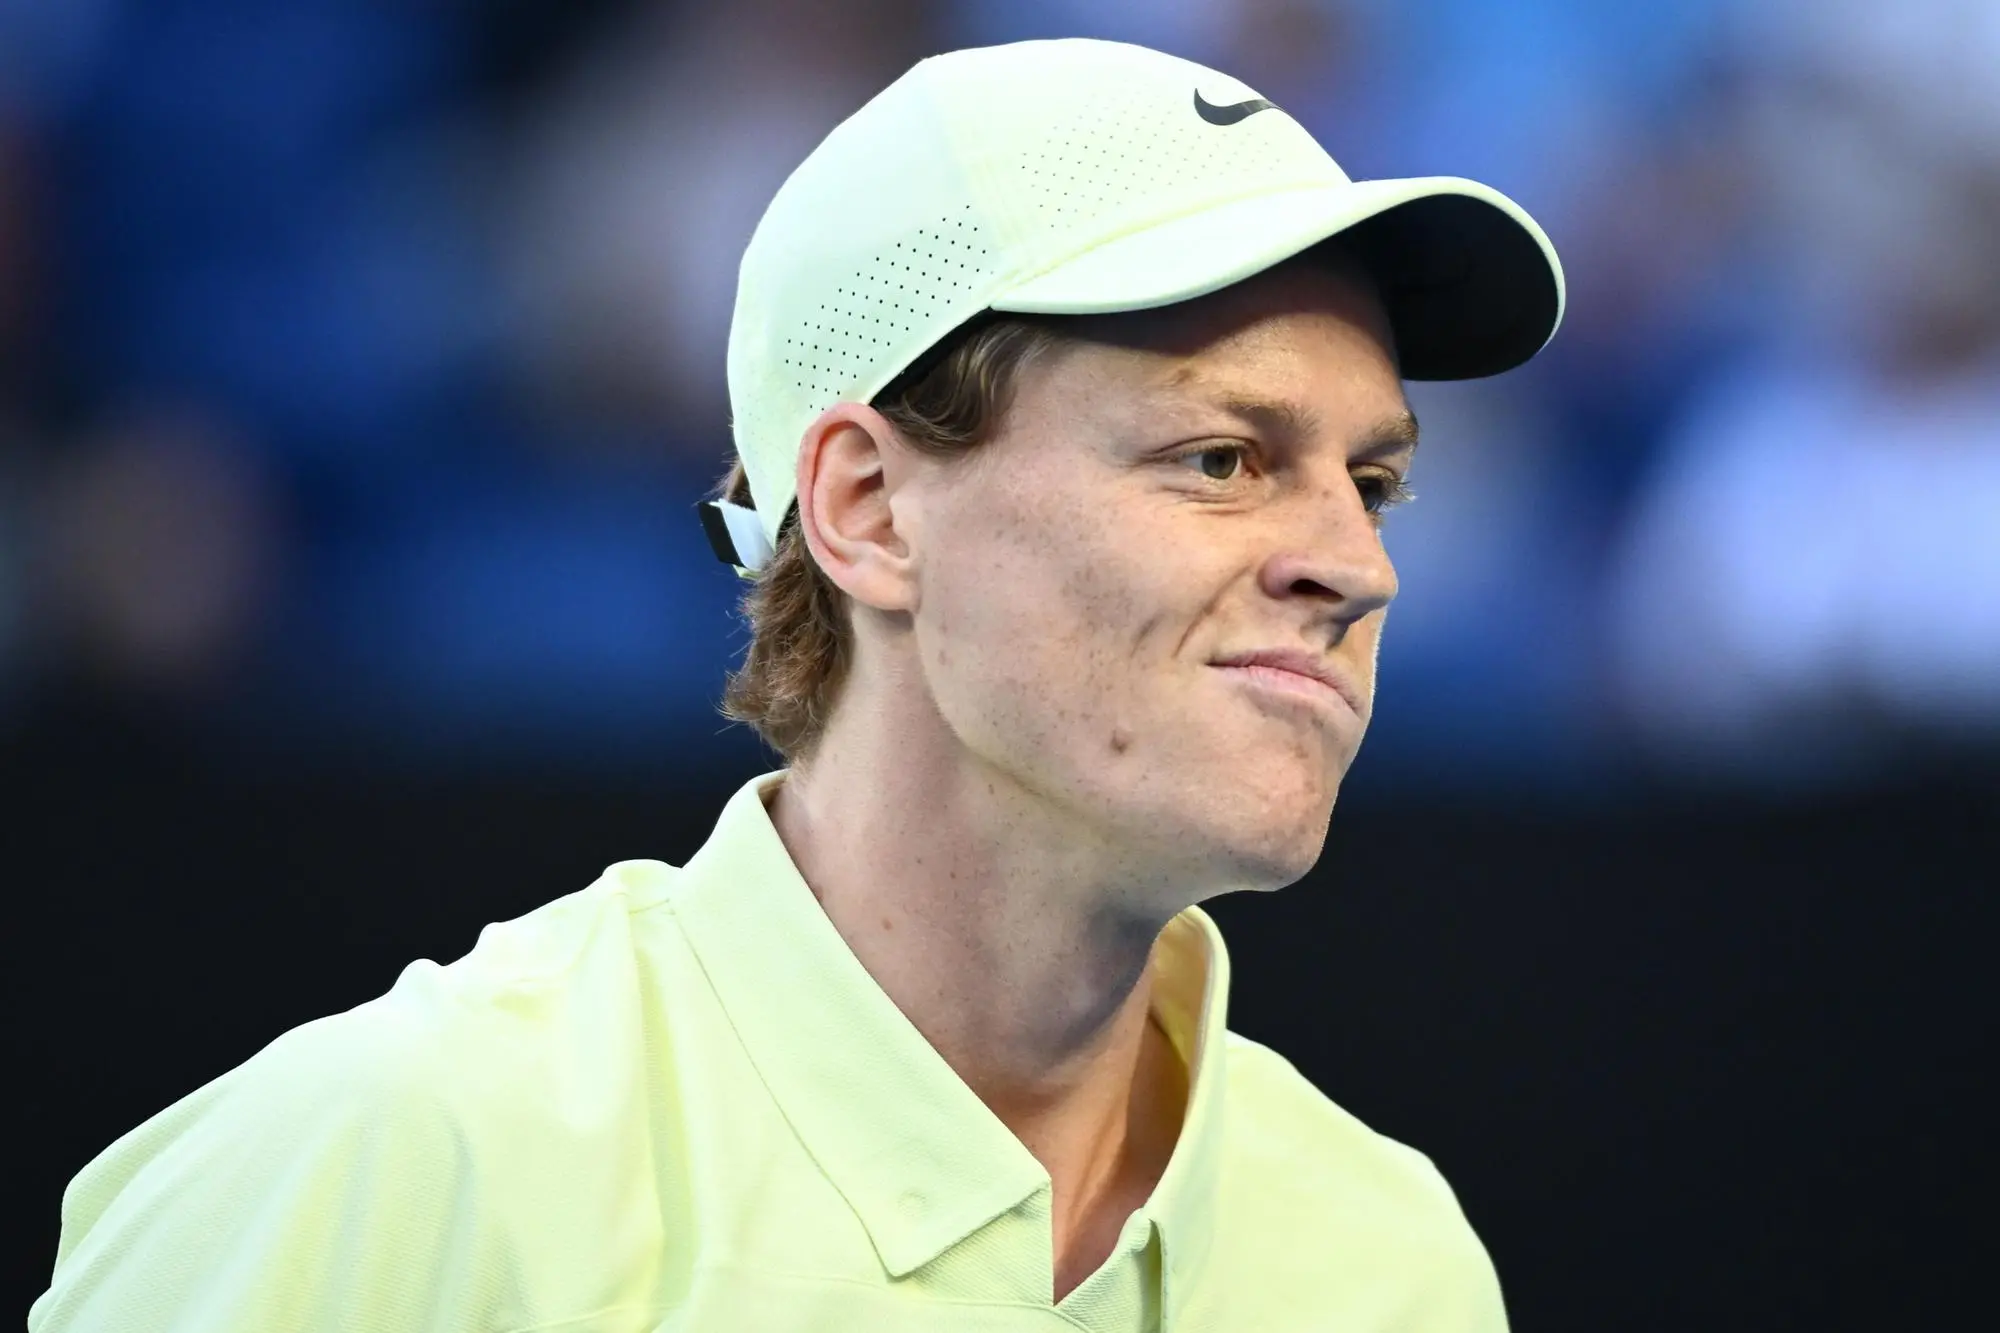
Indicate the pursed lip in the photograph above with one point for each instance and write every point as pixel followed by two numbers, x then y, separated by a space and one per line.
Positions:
pixel 1300 662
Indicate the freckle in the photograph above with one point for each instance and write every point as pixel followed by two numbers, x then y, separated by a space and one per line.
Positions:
pixel 888 924
pixel 1121 740
pixel 944 657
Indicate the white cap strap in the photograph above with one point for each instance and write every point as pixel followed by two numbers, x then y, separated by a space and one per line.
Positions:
pixel 737 535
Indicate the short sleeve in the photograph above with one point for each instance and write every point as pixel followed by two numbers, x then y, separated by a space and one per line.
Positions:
pixel 322 1185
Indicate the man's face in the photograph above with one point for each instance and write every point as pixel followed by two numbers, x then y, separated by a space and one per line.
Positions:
pixel 1197 486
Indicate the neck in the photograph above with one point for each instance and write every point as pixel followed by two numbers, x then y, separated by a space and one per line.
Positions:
pixel 1009 939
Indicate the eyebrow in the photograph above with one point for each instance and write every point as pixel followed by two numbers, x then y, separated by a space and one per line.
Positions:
pixel 1396 434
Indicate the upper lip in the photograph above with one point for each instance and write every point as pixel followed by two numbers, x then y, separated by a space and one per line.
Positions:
pixel 1301 662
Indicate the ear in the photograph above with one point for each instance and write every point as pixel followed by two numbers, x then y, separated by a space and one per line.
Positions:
pixel 851 464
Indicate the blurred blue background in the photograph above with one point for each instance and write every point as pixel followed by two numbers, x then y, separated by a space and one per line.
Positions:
pixel 361 361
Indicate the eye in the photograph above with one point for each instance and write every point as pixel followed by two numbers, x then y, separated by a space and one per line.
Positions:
pixel 1217 462
pixel 1382 491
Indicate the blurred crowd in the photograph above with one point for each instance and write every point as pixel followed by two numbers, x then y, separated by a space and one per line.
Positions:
pixel 361 362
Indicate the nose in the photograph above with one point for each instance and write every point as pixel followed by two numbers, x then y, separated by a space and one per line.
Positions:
pixel 1333 554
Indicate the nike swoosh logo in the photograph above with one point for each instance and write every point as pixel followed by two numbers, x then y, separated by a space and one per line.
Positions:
pixel 1235 111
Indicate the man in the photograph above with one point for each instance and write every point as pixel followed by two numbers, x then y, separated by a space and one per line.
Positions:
pixel 1068 392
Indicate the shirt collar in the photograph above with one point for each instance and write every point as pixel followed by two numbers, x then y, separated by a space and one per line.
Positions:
pixel 1191 999
pixel 916 1154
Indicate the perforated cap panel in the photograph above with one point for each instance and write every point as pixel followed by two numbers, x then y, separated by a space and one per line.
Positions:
pixel 889 299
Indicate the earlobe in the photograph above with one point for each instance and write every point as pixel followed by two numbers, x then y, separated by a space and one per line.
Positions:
pixel 850 464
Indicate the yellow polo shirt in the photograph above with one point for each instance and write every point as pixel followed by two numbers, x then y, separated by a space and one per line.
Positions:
pixel 675 1101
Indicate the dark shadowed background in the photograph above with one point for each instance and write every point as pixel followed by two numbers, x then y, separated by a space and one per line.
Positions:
pixel 361 361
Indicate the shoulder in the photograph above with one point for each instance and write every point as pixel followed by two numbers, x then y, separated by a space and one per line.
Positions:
pixel 430 1048
pixel 536 1028
pixel 1280 1118
pixel 413 1143
pixel 574 948
pixel 1307 1179
pixel 541 1004
pixel 329 1152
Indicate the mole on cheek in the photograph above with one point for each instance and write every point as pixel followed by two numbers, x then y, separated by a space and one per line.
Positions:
pixel 1121 740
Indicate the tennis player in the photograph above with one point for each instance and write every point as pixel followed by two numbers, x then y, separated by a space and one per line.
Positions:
pixel 1068 392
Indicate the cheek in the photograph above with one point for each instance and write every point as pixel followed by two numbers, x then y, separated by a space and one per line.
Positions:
pixel 1030 635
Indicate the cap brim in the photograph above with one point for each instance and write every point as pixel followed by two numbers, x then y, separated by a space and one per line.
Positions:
pixel 1472 285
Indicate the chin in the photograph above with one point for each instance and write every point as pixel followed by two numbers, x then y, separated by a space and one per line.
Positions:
pixel 1269 873
pixel 1264 851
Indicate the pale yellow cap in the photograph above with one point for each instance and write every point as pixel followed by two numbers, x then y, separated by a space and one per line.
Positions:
pixel 1082 177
